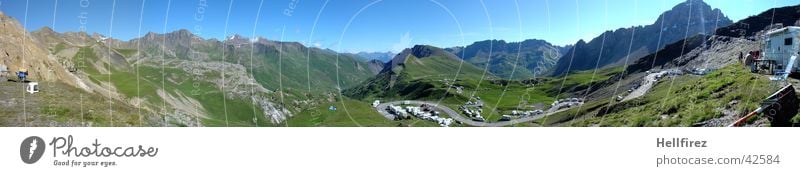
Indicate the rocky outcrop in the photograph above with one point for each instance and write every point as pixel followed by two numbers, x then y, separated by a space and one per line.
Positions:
pixel 19 50
pixel 418 51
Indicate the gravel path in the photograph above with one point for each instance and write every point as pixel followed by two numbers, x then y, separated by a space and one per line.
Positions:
pixel 647 83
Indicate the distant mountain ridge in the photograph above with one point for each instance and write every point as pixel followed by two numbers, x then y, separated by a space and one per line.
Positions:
pixel 530 57
pixel 296 61
pixel 381 56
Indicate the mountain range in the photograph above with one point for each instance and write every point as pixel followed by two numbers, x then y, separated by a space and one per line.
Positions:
pixel 190 81
pixel 181 79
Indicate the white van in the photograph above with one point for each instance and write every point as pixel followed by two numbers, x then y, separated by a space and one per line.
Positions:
pixel 780 45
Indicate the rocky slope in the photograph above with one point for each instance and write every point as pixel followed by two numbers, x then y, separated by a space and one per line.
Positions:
pixel 19 50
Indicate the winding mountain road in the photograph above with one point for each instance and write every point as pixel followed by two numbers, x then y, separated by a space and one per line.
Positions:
pixel 455 115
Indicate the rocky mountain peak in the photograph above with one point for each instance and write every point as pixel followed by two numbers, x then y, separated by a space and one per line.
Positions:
pixel 421 51
pixel 693 12
pixel 46 30
pixel 580 43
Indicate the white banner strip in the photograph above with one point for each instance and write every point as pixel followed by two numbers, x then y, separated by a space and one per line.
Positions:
pixel 401 151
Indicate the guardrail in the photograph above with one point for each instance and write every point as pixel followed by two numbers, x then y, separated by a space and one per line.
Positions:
pixel 780 107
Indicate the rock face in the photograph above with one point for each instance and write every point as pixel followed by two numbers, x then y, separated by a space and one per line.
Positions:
pixel 685 20
pixel 530 57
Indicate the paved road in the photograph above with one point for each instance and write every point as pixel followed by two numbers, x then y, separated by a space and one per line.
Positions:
pixel 457 116
pixel 647 83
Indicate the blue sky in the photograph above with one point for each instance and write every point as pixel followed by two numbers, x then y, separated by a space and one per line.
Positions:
pixel 374 25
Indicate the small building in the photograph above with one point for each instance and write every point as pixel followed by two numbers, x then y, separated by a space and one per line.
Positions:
pixel 781 43
pixel 32 87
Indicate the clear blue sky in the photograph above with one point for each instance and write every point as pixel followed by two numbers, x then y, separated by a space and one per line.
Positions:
pixel 380 26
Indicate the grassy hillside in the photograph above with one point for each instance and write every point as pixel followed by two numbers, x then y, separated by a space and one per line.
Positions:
pixel 290 68
pixel 686 101
pixel 58 104
pixel 417 78
pixel 357 114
